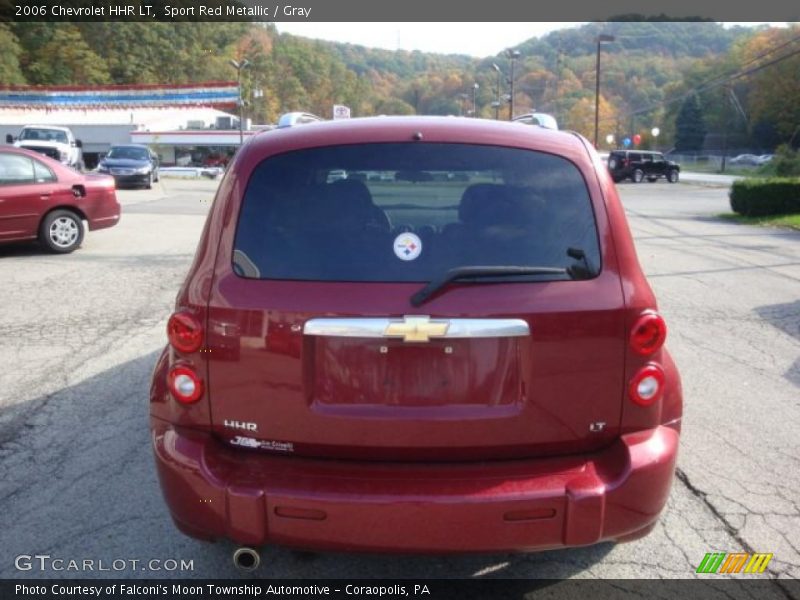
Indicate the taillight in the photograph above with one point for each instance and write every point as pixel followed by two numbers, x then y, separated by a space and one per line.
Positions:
pixel 185 332
pixel 648 334
pixel 647 385
pixel 184 384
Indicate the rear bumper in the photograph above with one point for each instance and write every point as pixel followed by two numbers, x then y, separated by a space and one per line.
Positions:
pixel 214 491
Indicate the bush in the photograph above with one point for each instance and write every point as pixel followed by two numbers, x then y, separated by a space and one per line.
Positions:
pixel 785 163
pixel 761 197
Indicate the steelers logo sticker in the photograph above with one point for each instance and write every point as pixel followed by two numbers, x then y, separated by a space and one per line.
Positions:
pixel 407 246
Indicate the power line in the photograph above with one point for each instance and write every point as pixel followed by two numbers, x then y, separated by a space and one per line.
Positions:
pixel 720 80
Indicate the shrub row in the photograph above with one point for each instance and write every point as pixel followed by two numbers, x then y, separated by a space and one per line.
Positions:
pixel 762 197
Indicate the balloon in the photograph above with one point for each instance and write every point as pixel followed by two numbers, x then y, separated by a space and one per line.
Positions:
pixel 636 139
pixel 626 142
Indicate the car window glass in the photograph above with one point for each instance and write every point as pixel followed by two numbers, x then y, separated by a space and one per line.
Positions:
pixel 42 173
pixel 15 169
pixel 45 135
pixel 410 212
pixel 128 152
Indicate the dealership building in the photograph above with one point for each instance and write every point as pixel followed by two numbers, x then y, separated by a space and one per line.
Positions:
pixel 184 124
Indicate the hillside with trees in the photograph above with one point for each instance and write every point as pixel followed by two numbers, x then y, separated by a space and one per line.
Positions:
pixel 649 73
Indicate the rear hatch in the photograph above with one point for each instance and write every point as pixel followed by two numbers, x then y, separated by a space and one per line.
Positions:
pixel 315 346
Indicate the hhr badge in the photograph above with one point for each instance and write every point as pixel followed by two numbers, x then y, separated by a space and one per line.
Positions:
pixel 241 425
pixel 416 329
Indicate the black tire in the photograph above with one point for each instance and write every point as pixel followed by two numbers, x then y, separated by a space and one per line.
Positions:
pixel 156 177
pixel 637 176
pixel 149 183
pixel 673 176
pixel 61 231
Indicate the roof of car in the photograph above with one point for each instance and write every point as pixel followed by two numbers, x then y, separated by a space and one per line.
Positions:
pixel 56 127
pixel 425 129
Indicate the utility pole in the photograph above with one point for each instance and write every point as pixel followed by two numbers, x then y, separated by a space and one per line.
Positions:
pixel 600 39
pixel 497 100
pixel 727 89
pixel 513 55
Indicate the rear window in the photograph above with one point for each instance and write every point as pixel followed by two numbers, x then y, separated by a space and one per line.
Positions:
pixel 411 212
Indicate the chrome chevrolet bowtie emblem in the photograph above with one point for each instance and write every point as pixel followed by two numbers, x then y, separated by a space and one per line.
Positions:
pixel 416 329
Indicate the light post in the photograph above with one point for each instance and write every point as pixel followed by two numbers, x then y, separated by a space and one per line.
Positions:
pixel 239 66
pixel 496 103
pixel 462 105
pixel 512 55
pixel 475 88
pixel 600 39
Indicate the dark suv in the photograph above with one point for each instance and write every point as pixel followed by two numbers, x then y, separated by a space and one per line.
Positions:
pixel 452 349
pixel 638 164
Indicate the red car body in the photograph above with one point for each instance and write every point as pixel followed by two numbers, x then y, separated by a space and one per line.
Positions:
pixel 26 204
pixel 485 444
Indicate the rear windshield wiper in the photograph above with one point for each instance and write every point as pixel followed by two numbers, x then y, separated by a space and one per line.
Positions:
pixel 468 272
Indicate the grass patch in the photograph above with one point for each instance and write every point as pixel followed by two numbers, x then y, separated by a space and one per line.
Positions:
pixel 729 170
pixel 791 221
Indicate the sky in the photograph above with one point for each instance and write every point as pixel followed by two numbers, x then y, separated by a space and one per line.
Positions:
pixel 475 39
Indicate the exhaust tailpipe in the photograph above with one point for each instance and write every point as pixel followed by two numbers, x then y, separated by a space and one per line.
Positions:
pixel 246 559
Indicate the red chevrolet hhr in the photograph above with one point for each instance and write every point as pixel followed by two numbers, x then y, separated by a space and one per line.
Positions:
pixel 416 335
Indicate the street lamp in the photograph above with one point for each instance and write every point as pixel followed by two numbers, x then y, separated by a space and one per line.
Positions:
pixel 600 39
pixel 475 87
pixel 496 103
pixel 239 66
pixel 512 55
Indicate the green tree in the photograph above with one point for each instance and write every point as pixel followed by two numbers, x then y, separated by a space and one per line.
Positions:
pixel 690 128
pixel 68 60
pixel 10 51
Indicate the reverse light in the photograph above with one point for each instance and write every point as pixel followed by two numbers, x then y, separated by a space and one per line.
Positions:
pixel 647 385
pixel 185 332
pixel 648 333
pixel 184 384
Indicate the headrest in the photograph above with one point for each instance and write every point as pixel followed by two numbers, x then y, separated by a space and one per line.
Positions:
pixel 479 202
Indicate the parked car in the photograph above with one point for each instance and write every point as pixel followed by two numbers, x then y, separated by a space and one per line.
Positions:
pixel 637 165
pixel 58 143
pixel 216 160
pixel 42 199
pixel 765 158
pixel 745 159
pixel 427 364
pixel 131 164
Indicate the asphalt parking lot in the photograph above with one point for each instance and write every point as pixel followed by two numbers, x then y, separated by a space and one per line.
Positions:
pixel 79 336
